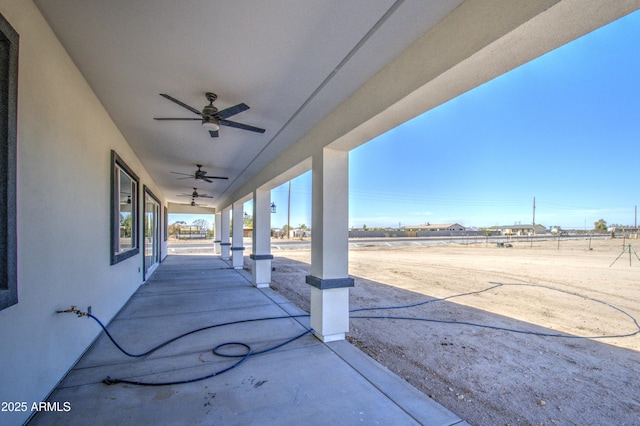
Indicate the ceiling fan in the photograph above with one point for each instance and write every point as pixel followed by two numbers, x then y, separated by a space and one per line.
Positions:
pixel 195 195
pixel 199 175
pixel 211 118
pixel 194 204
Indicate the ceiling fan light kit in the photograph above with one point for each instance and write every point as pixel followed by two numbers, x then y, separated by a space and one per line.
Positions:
pixel 211 124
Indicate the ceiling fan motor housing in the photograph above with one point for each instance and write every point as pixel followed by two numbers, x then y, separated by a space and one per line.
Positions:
pixel 209 111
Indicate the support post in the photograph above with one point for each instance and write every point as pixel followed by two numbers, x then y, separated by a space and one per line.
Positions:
pixel 217 232
pixel 329 277
pixel 261 238
pixel 224 235
pixel 237 254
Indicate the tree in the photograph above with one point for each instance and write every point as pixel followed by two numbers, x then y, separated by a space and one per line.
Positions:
pixel 248 221
pixel 201 223
pixel 600 226
pixel 125 225
pixel 174 228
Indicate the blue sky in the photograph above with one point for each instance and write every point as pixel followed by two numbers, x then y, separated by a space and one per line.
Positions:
pixel 563 128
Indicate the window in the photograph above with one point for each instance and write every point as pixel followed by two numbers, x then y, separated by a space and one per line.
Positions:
pixel 124 211
pixel 8 139
pixel 151 242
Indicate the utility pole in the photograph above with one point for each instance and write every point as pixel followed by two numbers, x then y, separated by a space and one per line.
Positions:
pixel 289 213
pixel 533 221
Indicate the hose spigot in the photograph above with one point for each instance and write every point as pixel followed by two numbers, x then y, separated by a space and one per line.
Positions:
pixel 73 310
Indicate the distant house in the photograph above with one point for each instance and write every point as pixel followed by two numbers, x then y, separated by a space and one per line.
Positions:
pixel 522 229
pixel 557 230
pixel 626 229
pixel 437 227
pixel 301 233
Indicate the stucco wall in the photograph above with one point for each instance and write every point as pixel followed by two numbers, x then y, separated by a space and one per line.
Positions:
pixel 64 142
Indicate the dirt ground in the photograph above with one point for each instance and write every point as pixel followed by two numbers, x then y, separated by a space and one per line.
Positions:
pixel 490 376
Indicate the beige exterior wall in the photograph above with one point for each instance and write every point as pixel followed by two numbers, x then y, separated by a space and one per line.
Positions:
pixel 64 142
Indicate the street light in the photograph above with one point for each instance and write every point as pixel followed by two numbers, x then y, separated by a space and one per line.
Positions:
pixel 273 207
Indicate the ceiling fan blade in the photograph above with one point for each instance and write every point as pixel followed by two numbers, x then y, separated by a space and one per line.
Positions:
pixel 213 133
pixel 183 174
pixel 182 104
pixel 241 126
pixel 204 196
pixel 188 177
pixel 174 119
pixel 226 113
pixel 214 177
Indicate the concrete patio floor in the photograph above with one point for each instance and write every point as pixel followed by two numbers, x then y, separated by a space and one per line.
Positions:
pixel 303 382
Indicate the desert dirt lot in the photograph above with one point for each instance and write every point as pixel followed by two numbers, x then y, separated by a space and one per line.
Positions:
pixel 489 376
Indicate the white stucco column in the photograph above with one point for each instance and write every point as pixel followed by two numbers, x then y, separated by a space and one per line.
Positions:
pixel 237 254
pixel 225 245
pixel 261 238
pixel 217 232
pixel 329 277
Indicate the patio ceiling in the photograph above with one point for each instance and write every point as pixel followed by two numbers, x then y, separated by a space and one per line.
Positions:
pixel 292 62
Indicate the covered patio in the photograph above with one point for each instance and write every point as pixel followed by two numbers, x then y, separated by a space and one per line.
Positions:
pixel 305 381
pixel 108 121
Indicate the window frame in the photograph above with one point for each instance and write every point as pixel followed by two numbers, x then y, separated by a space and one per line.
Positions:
pixel 156 241
pixel 9 39
pixel 117 165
